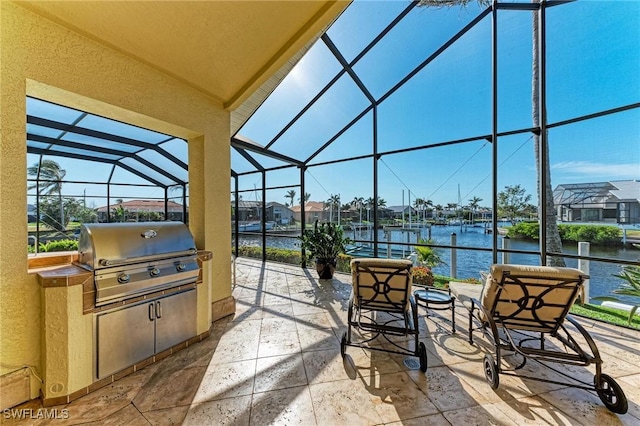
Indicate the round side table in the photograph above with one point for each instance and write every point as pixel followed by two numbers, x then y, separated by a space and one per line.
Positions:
pixel 437 300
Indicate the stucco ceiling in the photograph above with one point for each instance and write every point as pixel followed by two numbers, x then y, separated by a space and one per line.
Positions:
pixel 226 49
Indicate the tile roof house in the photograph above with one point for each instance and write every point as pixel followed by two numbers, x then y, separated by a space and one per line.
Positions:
pixel 314 210
pixel 142 210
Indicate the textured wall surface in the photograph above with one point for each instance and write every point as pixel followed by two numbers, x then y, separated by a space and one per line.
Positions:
pixel 42 59
pixel 19 292
pixel 55 341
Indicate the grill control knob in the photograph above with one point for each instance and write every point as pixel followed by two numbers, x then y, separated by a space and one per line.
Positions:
pixel 181 267
pixel 154 272
pixel 123 278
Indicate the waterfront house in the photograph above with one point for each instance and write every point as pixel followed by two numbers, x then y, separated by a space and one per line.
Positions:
pixel 141 211
pixel 615 202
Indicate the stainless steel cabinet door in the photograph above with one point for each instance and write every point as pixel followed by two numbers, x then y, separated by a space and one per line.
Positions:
pixel 124 337
pixel 175 319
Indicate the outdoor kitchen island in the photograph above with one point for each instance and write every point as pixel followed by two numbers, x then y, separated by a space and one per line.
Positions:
pixel 71 319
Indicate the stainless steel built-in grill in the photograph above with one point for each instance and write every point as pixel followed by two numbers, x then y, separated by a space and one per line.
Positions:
pixel 130 259
pixel 157 260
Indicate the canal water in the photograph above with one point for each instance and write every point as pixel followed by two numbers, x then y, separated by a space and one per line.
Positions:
pixel 471 262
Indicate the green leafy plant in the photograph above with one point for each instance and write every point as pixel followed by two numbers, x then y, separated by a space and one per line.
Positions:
pixel 324 241
pixel 606 235
pixel 630 274
pixel 59 245
pixel 344 263
pixel 429 256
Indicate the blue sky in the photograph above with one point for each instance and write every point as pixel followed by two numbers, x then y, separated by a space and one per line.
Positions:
pixel 593 54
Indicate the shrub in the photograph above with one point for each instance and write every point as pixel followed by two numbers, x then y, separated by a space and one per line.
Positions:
pixel 344 263
pixel 250 251
pixel 524 230
pixel 595 234
pixel 273 254
pixel 290 256
pixel 603 235
pixel 60 245
pixel 422 276
pixel 283 255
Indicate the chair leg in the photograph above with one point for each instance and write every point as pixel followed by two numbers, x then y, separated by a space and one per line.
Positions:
pixel 471 325
pixel 416 325
pixel 453 316
pixel 349 321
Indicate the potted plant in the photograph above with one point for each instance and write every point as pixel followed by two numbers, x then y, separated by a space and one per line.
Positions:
pixel 324 242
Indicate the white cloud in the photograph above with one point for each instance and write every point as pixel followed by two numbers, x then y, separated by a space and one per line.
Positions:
pixel 606 171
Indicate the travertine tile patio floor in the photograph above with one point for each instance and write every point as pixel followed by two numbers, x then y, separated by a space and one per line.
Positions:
pixel 277 361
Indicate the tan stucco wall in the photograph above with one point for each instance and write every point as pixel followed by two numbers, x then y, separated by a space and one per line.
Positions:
pixel 66 335
pixel 43 59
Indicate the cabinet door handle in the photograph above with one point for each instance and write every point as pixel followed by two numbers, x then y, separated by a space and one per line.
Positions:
pixel 151 312
pixel 158 309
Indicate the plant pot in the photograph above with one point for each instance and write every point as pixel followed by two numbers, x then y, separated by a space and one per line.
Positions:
pixel 325 268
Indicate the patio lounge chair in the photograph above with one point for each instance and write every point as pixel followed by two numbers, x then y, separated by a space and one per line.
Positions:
pixel 382 305
pixel 522 310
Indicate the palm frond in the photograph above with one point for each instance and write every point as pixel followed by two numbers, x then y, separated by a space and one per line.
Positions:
pixel 451 3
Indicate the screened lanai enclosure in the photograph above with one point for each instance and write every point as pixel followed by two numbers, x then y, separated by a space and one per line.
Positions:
pixel 422 125
pixel 84 168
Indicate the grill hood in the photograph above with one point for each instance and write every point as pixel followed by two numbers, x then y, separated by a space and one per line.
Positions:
pixel 103 245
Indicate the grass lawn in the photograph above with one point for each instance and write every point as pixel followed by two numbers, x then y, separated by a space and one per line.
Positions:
pixel 32 227
pixel 633 234
pixel 597 312
pixel 610 315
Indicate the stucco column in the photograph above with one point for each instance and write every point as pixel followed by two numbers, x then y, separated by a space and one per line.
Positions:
pixel 20 294
pixel 217 215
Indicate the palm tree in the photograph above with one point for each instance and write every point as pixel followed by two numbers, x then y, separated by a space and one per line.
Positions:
pixel 358 203
pixel 291 194
pixel 473 205
pixel 331 203
pixel 438 208
pixel 450 3
pixel 553 241
pixel 429 205
pixel 49 177
pixel 429 256
pixel 307 197
pixel 369 203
